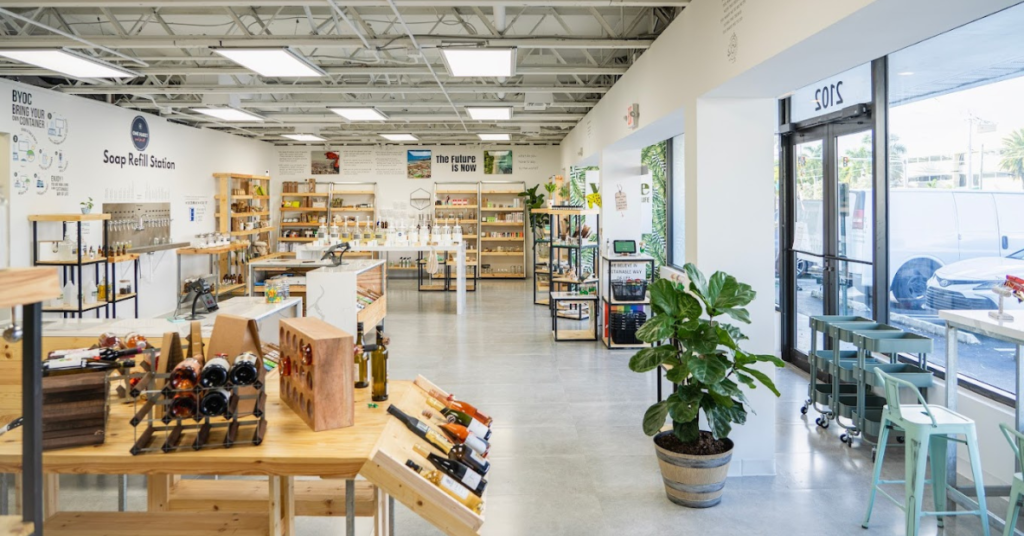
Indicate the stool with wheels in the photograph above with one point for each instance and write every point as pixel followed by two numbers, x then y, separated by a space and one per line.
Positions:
pixel 928 429
pixel 1016 440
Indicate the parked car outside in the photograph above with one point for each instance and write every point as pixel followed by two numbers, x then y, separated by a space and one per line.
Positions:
pixel 968 284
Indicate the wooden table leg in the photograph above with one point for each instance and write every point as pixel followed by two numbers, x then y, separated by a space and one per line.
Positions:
pixel 51 491
pixel 282 505
pixel 158 492
pixel 382 515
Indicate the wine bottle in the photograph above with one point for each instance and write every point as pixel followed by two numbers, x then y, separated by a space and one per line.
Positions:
pixel 307 355
pixel 244 371
pixel 185 375
pixel 215 372
pixel 455 469
pixel 361 373
pixel 450 486
pixel 214 403
pixel 422 430
pixel 379 366
pixel 471 459
pixel 451 402
pixel 461 435
pixel 183 406
pixel 475 426
pixel 87 365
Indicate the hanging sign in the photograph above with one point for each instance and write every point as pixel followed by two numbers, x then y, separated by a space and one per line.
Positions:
pixel 620 200
pixel 832 94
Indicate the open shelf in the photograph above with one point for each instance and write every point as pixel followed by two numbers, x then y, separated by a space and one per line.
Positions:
pixel 502 239
pixel 227 289
pixel 454 207
pixel 246 214
pixel 85 262
pixel 123 297
pixel 74 308
pixel 296 239
pixel 502 223
pixel 306 194
pixel 69 217
pixel 303 209
pixel 252 231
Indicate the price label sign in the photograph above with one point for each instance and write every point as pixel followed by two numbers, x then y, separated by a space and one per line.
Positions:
pixel 832 94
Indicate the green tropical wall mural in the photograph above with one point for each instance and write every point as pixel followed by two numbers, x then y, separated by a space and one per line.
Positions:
pixel 578 196
pixel 655 157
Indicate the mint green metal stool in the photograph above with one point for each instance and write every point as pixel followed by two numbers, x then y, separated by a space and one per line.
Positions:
pixel 928 429
pixel 1016 440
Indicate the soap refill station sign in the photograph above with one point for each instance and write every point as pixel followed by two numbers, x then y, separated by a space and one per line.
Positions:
pixel 140 137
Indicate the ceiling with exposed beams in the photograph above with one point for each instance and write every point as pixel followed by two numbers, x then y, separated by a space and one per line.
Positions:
pixel 384 54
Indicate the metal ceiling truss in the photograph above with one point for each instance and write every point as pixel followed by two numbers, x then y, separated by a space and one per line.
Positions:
pixel 379 53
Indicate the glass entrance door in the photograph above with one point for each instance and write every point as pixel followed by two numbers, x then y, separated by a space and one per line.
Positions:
pixel 829 189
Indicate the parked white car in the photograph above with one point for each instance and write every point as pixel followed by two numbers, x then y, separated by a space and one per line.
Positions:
pixel 968 284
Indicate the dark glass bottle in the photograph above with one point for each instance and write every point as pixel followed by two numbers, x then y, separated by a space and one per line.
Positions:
pixel 244 371
pixel 215 372
pixel 469 457
pixel 455 469
pixel 184 406
pixel 214 403
pixel 419 428
pixel 379 366
pixel 362 381
pixel 186 374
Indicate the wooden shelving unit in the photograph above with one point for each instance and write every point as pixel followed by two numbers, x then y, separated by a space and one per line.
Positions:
pixel 353 205
pixel 460 203
pixel 502 230
pixel 300 223
pixel 216 259
pixel 243 201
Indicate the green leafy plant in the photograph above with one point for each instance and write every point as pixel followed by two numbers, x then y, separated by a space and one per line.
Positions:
pixel 563 192
pixel 702 354
pixel 535 201
pixel 550 187
pixel 87 204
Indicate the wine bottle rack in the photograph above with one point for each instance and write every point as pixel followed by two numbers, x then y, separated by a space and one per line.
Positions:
pixel 243 424
pixel 317 373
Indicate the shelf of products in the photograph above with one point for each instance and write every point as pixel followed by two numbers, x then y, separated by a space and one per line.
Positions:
pixel 625 300
pixel 457 202
pixel 71 256
pixel 570 242
pixel 243 212
pixel 502 220
pixel 228 262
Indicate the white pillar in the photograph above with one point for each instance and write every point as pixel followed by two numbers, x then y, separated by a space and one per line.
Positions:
pixel 620 172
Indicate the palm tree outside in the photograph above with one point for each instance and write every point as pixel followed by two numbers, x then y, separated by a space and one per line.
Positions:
pixel 1012 160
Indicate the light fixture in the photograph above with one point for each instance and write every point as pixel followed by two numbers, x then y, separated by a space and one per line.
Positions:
pixel 67 62
pixel 498 62
pixel 494 137
pixel 492 113
pixel 303 137
pixel 399 137
pixel 275 62
pixel 360 114
pixel 906 73
pixel 229 114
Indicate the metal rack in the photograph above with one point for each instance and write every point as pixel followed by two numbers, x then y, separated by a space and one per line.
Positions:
pixel 609 301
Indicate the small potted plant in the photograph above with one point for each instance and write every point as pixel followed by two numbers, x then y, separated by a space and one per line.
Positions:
pixel 534 201
pixel 550 187
pixel 705 361
pixel 86 206
pixel 563 194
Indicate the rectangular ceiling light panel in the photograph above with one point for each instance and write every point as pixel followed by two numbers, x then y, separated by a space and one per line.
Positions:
pixel 496 62
pixel 67 62
pixel 303 137
pixel 228 114
pixel 494 113
pixel 399 137
pixel 360 114
pixel 494 137
pixel 271 62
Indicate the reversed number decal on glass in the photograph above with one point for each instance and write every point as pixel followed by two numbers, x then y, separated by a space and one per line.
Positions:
pixel 828 96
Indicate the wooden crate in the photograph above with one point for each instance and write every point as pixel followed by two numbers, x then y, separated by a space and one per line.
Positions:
pixel 74 410
pixel 321 393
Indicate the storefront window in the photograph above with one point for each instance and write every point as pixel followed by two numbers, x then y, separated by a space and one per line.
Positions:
pixel 956 180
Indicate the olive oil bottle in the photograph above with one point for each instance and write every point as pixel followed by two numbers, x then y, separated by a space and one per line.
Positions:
pixel 361 373
pixel 379 367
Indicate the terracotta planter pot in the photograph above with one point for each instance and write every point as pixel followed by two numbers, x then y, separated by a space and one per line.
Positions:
pixel 693 481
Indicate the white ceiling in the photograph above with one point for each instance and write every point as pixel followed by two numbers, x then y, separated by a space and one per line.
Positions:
pixel 569 53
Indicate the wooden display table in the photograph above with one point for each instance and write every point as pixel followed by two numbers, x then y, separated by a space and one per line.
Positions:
pixel 376 448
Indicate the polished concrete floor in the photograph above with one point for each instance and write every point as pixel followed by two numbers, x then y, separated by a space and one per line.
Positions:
pixel 568 454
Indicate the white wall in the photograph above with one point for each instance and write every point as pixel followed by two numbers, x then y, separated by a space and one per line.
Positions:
pixel 92 128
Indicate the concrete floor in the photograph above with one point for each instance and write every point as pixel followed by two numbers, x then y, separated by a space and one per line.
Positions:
pixel 569 457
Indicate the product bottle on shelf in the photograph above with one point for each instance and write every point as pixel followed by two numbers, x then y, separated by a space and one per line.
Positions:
pixel 185 375
pixel 362 381
pixel 451 402
pixel 183 406
pixel 459 434
pixel 421 429
pixel 214 403
pixel 475 426
pixel 379 367
pixel 469 458
pixel 245 370
pixel 215 372
pixel 450 486
pixel 455 469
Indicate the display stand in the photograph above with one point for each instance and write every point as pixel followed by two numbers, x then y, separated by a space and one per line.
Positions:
pixel 215 254
pixel 28 287
pixel 459 202
pixel 72 270
pixel 541 268
pixel 114 294
pixel 567 256
pixel 502 230
pixel 334 293
pixel 243 211
pixel 313 204
pixel 352 204
pixel 615 270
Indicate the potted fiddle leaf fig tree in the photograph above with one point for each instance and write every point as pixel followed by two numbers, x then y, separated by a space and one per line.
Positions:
pixel 704 359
